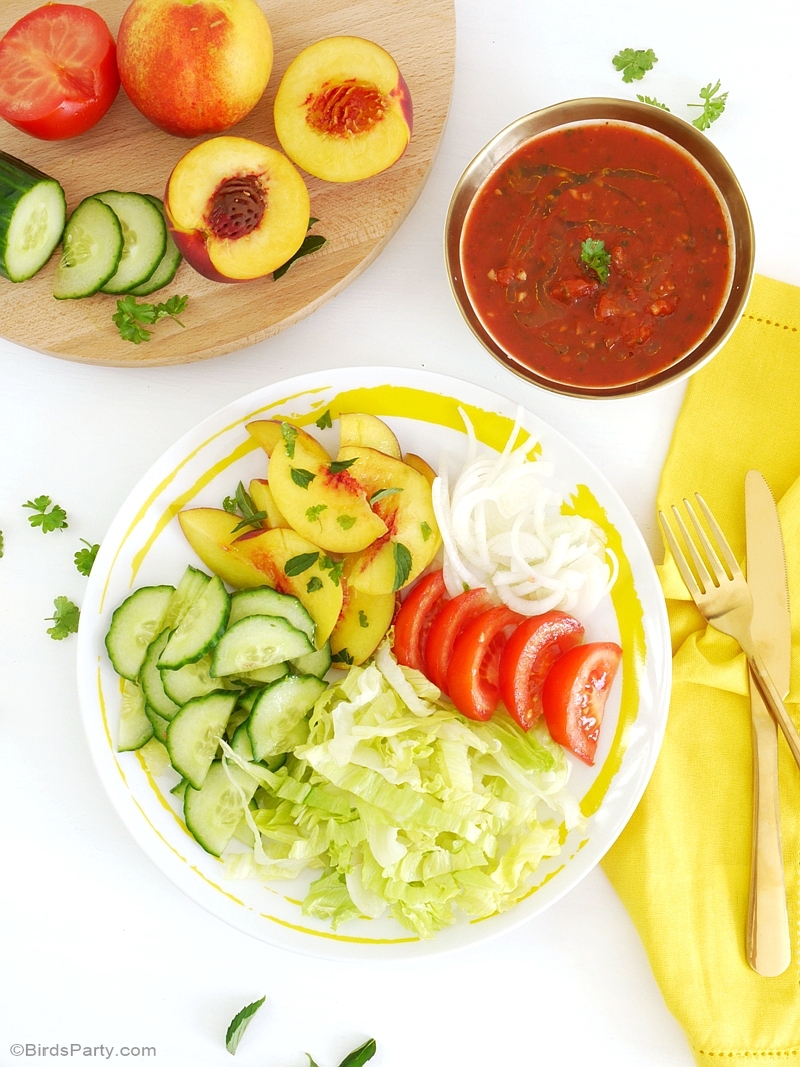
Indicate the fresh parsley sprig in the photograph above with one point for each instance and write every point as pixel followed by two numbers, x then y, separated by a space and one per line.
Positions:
pixel 651 100
pixel 132 317
pixel 65 618
pixel 85 557
pixel 712 104
pixel 594 255
pixel 634 63
pixel 54 519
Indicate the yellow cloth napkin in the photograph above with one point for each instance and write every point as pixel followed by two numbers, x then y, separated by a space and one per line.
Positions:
pixel 682 865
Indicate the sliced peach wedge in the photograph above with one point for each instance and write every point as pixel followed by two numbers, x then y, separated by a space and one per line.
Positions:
pixel 361 626
pixel 321 499
pixel 343 110
pixel 401 496
pixel 236 209
pixel 263 500
pixel 357 428
pixel 280 558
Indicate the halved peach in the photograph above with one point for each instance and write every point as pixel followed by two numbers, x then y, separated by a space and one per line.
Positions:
pixel 343 110
pixel 261 495
pixel 236 209
pixel 260 557
pixel 324 502
pixel 361 626
pixel 406 508
pixel 357 428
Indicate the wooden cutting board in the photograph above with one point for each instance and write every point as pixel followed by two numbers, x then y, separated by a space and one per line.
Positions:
pixel 124 151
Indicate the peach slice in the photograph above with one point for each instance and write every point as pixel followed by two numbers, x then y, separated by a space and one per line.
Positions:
pixel 260 557
pixel 261 495
pixel 361 626
pixel 419 464
pixel 194 66
pixel 236 209
pixel 325 502
pixel 269 433
pixel 343 110
pixel 412 538
pixel 357 428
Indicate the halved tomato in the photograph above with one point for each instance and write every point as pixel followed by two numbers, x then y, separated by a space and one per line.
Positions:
pixel 472 676
pixel 527 657
pixel 58 71
pixel 575 693
pixel 414 618
pixel 446 627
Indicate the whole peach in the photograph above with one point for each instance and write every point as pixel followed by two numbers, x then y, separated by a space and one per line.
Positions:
pixel 194 66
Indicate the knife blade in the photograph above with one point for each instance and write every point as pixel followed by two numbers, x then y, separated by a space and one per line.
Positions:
pixel 768 941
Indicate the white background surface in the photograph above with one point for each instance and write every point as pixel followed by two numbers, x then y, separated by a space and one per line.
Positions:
pixel 97 946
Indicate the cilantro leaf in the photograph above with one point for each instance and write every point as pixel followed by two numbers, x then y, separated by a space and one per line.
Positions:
pixel 402 565
pixel 347 522
pixel 363 621
pixel 342 656
pixel 359 1056
pixel 85 557
pixel 66 618
pixel 426 530
pixel 314 584
pixel 313 513
pixel 301 477
pixel 54 519
pixel 712 106
pixel 324 422
pixel 340 465
pixel 131 317
pixel 594 255
pixel 381 493
pixel 651 100
pixel 239 1024
pixel 335 569
pixel 297 564
pixel 229 504
pixel 634 63
pixel 289 435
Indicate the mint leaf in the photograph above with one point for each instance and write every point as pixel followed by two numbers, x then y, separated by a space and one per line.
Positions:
pixel 289 434
pixel 359 1056
pixel 342 656
pixel 85 557
pixel 301 477
pixel 314 584
pixel 310 244
pixel 381 493
pixel 324 422
pixel 297 564
pixel 66 618
pixel 239 1024
pixel 339 465
pixel 402 565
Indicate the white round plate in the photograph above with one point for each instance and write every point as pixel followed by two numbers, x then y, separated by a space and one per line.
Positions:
pixel 145 546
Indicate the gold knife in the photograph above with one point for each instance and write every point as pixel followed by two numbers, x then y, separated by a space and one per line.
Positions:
pixel 768 943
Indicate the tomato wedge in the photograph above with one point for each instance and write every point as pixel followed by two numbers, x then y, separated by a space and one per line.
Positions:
pixel 58 71
pixel 527 657
pixel 575 694
pixel 446 627
pixel 414 619
pixel 473 671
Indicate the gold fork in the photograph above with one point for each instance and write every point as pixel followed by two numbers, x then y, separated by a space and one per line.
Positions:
pixel 726 602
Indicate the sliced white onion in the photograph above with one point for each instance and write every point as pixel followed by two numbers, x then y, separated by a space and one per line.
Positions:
pixel 502 528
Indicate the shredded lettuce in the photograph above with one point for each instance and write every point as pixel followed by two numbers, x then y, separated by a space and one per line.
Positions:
pixel 405 806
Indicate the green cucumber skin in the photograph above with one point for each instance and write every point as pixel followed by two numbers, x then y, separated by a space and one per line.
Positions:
pixel 99 280
pixel 170 261
pixel 16 179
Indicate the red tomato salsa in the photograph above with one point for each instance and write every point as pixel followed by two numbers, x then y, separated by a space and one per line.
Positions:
pixel 664 267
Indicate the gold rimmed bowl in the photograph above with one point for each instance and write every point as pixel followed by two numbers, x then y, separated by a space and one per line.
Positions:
pixel 651 122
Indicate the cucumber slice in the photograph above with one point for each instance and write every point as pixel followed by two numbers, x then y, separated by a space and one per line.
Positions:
pixel 267 601
pixel 240 742
pixel 193 735
pixel 33 211
pixel 144 236
pixel 159 724
pixel 179 789
pixel 200 629
pixel 264 675
pixel 134 625
pixel 135 729
pixel 90 250
pixel 316 663
pixel 213 812
pixel 192 680
pixel 189 589
pixel 170 261
pixel 279 709
pixel 257 641
pixel 150 679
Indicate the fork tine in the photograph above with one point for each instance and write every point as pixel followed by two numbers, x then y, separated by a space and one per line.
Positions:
pixel 678 556
pixel 722 542
pixel 712 554
pixel 706 581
